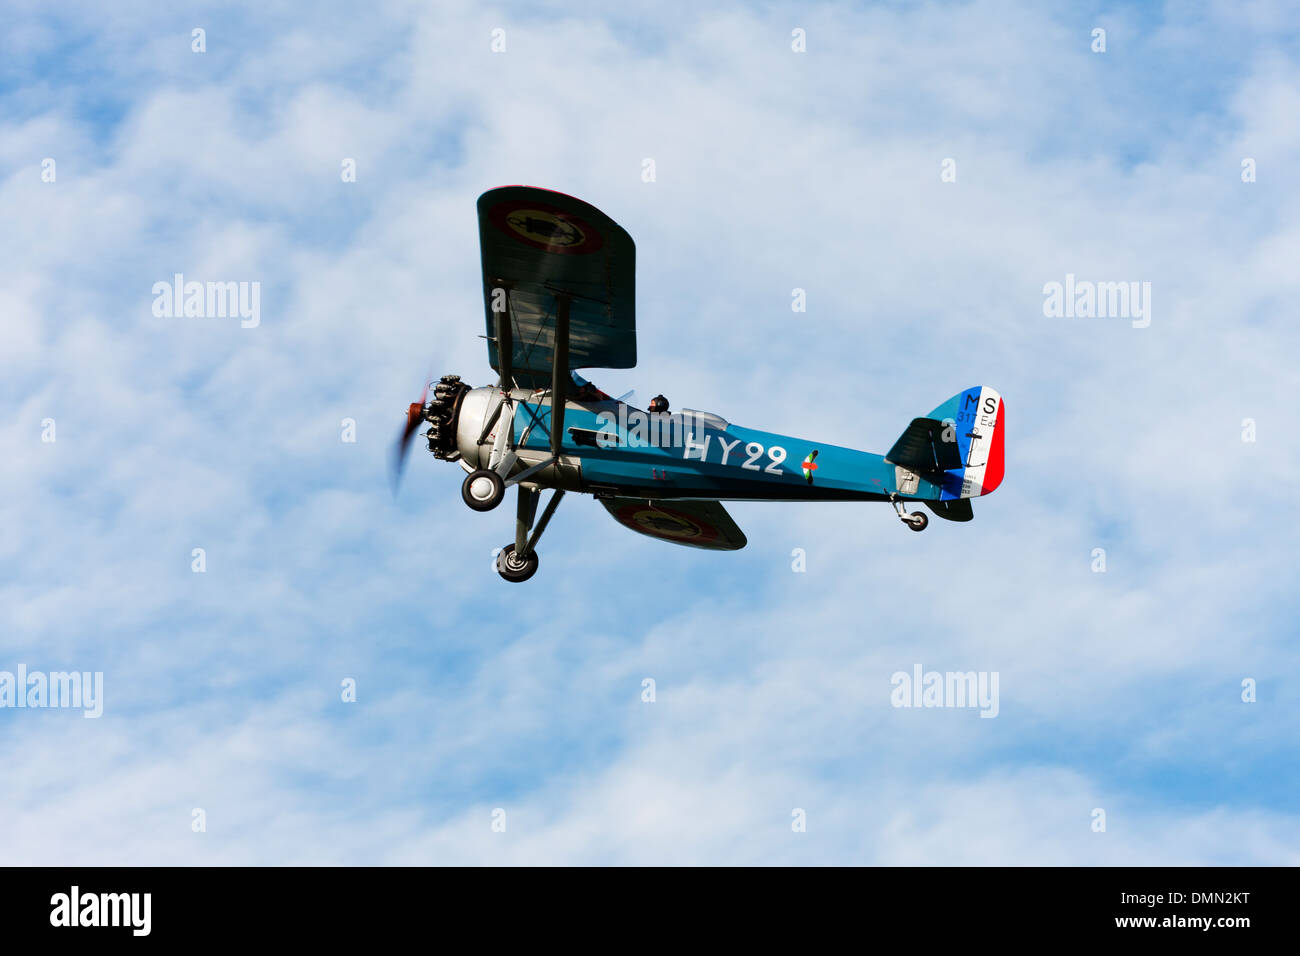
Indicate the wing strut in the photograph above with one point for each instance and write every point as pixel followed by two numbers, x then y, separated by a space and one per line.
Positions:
pixel 559 389
pixel 505 342
pixel 559 372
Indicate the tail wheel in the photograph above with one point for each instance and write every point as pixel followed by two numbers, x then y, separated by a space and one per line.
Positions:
pixel 917 521
pixel 513 568
pixel 483 489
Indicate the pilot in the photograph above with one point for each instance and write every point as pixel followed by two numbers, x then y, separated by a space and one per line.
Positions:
pixel 659 404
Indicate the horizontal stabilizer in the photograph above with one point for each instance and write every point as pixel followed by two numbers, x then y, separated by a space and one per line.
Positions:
pixel 922 446
pixel 954 509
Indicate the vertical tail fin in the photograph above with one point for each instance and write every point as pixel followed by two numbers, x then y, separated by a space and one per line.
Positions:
pixel 954 453
pixel 977 416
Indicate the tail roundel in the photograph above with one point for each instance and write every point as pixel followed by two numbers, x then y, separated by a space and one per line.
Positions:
pixel 977 417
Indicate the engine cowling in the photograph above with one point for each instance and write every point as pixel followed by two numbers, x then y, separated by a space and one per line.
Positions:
pixel 442 414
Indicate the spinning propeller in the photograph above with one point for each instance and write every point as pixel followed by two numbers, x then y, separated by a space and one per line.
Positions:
pixel 414 418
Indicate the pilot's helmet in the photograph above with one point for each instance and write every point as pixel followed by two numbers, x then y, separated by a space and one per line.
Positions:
pixel 658 404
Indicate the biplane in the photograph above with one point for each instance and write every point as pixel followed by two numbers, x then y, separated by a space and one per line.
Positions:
pixel 559 296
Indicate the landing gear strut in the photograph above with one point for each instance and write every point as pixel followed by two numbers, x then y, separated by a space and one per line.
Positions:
pixel 917 520
pixel 518 561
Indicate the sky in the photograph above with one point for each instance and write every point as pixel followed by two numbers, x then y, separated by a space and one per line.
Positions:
pixel 921 170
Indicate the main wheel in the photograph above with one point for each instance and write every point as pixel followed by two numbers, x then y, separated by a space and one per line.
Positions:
pixel 483 489
pixel 917 521
pixel 512 568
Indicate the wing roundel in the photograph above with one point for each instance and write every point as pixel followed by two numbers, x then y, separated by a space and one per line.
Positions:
pixel 690 522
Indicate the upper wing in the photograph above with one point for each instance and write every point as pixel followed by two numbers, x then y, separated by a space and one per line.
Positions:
pixel 538 244
pixel 694 523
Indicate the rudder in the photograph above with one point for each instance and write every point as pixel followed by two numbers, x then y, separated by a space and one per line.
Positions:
pixel 978 417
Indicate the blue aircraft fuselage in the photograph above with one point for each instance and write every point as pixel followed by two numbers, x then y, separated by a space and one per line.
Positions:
pixel 692 455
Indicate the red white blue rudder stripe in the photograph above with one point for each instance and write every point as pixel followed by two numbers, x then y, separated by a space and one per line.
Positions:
pixel 978 417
